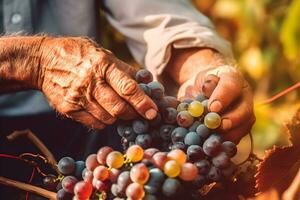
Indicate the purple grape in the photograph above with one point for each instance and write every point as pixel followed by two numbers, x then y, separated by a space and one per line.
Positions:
pixel 203 131
pixel 178 134
pixel 221 160
pixel 212 145
pixel 192 138
pixel 195 153
pixel 165 132
pixel 157 90
pixel 66 165
pixel 169 115
pixel 145 88
pixel 184 119
pixel 229 148
pixel 178 145
pixel 140 126
pixel 200 97
pixel 143 76
pixel 194 126
pixel 214 174
pixel 143 140
pixel 156 121
pixel 203 166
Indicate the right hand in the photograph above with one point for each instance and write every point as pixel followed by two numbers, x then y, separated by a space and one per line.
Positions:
pixel 89 84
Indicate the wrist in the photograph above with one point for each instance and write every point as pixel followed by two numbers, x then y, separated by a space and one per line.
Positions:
pixel 185 63
pixel 19 62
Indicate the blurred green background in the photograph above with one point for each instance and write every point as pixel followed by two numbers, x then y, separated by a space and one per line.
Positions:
pixel 265 38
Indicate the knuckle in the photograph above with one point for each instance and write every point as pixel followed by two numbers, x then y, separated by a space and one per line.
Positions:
pixel 118 108
pixel 128 87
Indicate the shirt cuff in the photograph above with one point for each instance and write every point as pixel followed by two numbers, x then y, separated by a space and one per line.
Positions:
pixel 179 32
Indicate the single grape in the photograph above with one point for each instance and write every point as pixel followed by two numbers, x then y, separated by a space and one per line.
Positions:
pixel 157 89
pixel 115 159
pixel 203 132
pixel 178 134
pixel 210 84
pixel 200 97
pixel 87 175
pixel 212 145
pixel 59 186
pixel 159 159
pixel 79 167
pixel 139 173
pixel 195 153
pixel 214 174
pixel 135 191
pixel 167 101
pixel 194 126
pixel 83 189
pixel 155 181
pixel 172 168
pixel 169 115
pixel 196 109
pixel 229 148
pixel 114 174
pixel 188 172
pixel 101 173
pixel 178 155
pixel 212 120
pixel 121 129
pixel 145 88
pixel 91 162
pixel 63 195
pixel 115 190
pixel 143 140
pixel 203 166
pixel 221 160
pixel 156 121
pixel 171 187
pixel 192 138
pixel 165 132
pixel 178 145
pixel 184 119
pixel 135 153
pixel 149 153
pixel 102 154
pixel 100 185
pixel 140 126
pixel 124 180
pixel 68 183
pixel 182 107
pixel 143 76
pixel 129 134
pixel 66 165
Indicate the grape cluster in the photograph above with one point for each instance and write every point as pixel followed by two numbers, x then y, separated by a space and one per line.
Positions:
pixel 179 150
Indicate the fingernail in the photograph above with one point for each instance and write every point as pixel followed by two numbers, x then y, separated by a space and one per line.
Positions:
pixel 151 113
pixel 226 124
pixel 215 106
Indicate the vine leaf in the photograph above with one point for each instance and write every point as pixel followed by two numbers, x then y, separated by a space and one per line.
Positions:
pixel 278 168
pixel 293 129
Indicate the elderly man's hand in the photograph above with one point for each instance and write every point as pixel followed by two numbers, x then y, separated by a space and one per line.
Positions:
pixel 229 93
pixel 89 84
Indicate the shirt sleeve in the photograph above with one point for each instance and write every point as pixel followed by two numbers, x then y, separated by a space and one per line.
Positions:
pixel 152 27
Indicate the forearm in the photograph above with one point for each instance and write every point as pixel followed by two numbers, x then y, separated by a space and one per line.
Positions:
pixel 185 63
pixel 19 63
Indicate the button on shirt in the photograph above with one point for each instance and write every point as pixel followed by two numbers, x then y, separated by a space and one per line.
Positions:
pixel 151 29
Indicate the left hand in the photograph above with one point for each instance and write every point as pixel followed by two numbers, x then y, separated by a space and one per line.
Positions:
pixel 232 96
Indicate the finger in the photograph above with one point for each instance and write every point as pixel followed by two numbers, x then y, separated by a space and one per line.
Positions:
pixel 86 119
pixel 227 90
pixel 99 112
pixel 236 134
pixel 131 71
pixel 129 90
pixel 240 113
pixel 113 103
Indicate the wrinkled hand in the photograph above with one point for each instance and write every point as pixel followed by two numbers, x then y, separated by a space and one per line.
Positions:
pixel 229 93
pixel 89 84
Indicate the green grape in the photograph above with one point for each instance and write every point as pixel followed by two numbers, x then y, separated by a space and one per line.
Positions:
pixel 196 109
pixel 115 159
pixel 182 106
pixel 212 120
pixel 172 168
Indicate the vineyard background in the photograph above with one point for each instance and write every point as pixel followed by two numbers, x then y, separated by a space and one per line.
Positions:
pixel 265 38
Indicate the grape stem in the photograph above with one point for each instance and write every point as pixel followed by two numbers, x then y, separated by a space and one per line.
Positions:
pixel 280 94
pixel 27 187
pixel 37 142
